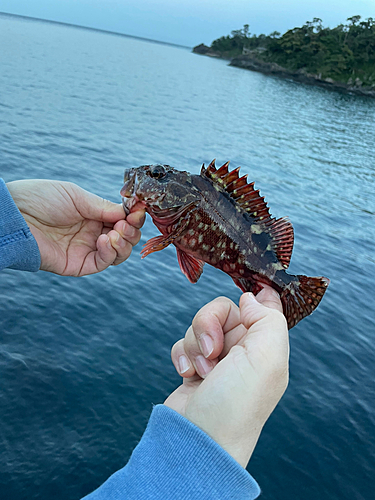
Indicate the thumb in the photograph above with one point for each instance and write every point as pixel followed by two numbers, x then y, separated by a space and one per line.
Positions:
pixel 94 207
pixel 251 311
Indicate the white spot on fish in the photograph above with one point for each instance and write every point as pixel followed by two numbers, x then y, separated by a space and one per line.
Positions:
pixel 205 247
pixel 200 238
pixel 277 266
pixel 255 249
pixel 192 242
pixel 200 225
pixel 255 229
pixel 191 232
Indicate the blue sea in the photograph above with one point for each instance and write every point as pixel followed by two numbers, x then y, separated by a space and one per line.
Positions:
pixel 82 360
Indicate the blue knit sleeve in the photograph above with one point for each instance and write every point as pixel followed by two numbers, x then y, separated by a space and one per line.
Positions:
pixel 176 460
pixel 18 248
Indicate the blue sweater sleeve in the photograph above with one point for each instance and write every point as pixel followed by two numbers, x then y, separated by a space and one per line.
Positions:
pixel 176 460
pixel 18 248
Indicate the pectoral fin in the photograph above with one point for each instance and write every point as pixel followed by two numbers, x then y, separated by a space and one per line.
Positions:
pixel 156 244
pixel 160 242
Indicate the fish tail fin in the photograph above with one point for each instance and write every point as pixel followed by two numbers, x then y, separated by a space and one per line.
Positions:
pixel 301 297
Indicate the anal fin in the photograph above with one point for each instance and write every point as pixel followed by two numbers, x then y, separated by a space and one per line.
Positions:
pixel 190 266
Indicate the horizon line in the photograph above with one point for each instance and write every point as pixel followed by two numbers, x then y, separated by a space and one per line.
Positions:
pixel 89 28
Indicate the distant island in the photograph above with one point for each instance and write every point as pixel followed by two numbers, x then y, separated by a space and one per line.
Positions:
pixel 339 58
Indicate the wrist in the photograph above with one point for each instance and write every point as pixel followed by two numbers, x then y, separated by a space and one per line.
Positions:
pixel 237 440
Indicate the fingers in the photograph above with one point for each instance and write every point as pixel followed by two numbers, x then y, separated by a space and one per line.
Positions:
pixel 181 361
pixel 219 326
pixel 212 322
pixel 137 215
pixel 105 254
pixel 205 340
pixel 188 359
pixel 122 238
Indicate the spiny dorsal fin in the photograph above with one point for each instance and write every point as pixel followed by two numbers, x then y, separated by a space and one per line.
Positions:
pixel 249 199
pixel 239 190
pixel 281 231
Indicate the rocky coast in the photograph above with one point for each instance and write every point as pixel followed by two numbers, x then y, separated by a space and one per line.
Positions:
pixel 253 62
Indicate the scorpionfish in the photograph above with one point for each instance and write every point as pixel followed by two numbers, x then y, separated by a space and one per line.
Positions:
pixel 218 218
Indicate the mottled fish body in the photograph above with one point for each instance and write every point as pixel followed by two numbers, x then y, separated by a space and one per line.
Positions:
pixel 220 219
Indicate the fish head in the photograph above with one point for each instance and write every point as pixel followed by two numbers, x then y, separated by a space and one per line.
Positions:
pixel 163 190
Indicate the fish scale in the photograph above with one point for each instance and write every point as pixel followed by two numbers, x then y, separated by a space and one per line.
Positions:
pixel 220 219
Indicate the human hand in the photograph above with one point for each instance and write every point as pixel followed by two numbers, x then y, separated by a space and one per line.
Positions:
pixel 77 232
pixel 234 378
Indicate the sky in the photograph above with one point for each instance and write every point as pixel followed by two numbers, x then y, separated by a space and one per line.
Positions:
pixel 190 22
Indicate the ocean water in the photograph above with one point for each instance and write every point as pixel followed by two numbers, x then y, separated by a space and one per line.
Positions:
pixel 83 360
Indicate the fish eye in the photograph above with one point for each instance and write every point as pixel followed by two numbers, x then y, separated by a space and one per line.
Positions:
pixel 157 171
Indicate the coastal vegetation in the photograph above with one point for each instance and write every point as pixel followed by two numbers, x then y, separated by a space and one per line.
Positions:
pixel 343 54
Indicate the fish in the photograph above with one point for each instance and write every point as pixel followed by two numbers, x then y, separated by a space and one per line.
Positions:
pixel 219 218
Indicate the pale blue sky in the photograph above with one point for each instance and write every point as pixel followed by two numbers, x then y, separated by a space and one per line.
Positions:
pixel 189 22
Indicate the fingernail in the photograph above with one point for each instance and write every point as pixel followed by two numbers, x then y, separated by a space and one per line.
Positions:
pixel 119 241
pixel 130 231
pixel 183 364
pixel 206 344
pixel 203 366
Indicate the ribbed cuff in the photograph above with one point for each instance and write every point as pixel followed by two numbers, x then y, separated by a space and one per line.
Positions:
pixel 176 460
pixel 18 247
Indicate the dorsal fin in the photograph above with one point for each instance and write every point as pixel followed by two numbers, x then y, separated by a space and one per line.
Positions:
pixel 281 231
pixel 239 190
pixel 249 199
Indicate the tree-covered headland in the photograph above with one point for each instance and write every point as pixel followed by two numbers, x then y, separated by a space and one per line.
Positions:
pixel 344 54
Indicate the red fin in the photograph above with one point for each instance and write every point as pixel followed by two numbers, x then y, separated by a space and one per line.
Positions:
pixel 232 176
pixel 239 190
pixel 301 297
pixel 223 171
pixel 281 231
pixel 155 244
pixel 207 172
pixel 190 266
pixel 236 186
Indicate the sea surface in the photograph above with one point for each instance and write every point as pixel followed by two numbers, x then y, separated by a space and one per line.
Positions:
pixel 82 360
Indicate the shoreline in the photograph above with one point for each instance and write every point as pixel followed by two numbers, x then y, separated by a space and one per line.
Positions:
pixel 252 63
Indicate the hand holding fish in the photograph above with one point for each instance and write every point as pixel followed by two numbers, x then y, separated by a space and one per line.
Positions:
pixel 77 232
pixel 234 361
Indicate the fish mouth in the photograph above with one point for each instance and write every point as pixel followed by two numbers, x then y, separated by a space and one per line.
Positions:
pixel 129 191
